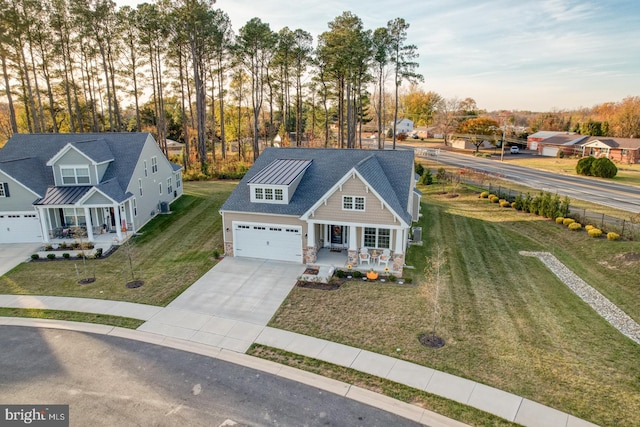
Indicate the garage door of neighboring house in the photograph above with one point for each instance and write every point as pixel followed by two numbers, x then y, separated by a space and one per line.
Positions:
pixel 270 241
pixel 19 227
pixel 550 151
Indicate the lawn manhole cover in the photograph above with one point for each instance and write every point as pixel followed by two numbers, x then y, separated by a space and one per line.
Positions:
pixel 431 340
pixel 135 284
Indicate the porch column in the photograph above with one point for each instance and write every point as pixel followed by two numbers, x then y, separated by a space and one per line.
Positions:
pixel 133 218
pixel 116 213
pixel 43 224
pixel 311 234
pixel 353 239
pixel 87 216
pixel 399 243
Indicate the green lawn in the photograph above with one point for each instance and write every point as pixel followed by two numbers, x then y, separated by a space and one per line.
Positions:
pixel 507 320
pixel 170 254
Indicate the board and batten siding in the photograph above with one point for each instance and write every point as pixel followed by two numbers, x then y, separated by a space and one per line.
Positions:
pixel 374 213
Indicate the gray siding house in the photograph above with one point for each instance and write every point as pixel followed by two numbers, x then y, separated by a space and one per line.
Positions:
pixel 99 183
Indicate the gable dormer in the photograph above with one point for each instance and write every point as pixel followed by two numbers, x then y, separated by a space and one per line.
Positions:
pixel 81 163
pixel 277 182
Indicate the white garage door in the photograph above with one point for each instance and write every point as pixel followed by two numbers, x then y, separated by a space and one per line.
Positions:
pixel 19 227
pixel 269 241
pixel 550 151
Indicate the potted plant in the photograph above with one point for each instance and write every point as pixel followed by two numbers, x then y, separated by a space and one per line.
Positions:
pixel 372 274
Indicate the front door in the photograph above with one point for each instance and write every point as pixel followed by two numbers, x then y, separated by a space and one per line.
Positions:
pixel 336 234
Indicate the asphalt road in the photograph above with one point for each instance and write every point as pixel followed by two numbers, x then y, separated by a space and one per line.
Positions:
pixel 110 381
pixel 619 196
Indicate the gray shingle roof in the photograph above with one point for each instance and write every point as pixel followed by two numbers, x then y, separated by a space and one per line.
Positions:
pixel 389 172
pixel 25 156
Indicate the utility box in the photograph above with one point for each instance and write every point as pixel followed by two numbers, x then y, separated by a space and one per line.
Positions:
pixel 164 207
pixel 417 234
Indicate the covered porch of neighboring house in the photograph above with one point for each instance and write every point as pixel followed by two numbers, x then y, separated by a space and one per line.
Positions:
pixel 73 213
pixel 339 245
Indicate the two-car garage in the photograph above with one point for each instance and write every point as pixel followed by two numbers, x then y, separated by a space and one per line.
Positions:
pixel 20 227
pixel 273 241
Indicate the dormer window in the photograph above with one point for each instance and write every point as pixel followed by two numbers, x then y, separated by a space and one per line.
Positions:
pixel 75 175
pixel 277 182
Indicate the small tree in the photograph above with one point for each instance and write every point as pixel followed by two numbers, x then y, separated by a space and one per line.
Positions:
pixel 434 276
pixel 584 166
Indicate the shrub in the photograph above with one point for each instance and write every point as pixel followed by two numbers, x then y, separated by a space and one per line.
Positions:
pixel 357 274
pixel 594 232
pixel 560 220
pixel 589 227
pixel 568 221
pixel 505 204
pixel 35 256
pixel 51 256
pixel 392 278
pixel 603 168
pixel 66 255
pixel 408 280
pixel 519 202
pixel 514 205
pixel 401 136
pixel 418 168
pixel 426 177
pixel 98 253
pixel 494 199
pixel 584 166
pixel 575 226
pixel 484 195
pixel 613 236
pixel 48 248
pixel 560 154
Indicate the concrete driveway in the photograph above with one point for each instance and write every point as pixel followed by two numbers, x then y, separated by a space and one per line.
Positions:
pixel 12 254
pixel 230 305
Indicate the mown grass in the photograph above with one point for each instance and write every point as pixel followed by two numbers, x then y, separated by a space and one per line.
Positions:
pixel 74 316
pixel 171 252
pixel 507 320
pixel 434 403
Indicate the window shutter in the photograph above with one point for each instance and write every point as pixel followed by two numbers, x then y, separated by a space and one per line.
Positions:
pixel 6 189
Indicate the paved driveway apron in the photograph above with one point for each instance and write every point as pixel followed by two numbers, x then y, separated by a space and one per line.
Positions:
pixel 12 254
pixel 230 305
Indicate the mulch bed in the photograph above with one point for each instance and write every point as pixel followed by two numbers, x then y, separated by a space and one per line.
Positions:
pixel 320 286
pixel 313 271
pixel 134 284
pixel 431 340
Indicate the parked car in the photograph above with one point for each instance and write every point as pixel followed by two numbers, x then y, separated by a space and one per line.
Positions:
pixel 514 149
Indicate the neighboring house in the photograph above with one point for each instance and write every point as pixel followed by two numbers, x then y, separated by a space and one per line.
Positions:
pixel 403 126
pixel 174 147
pixel 533 139
pixel 98 182
pixel 295 204
pixel 569 143
pixel 624 150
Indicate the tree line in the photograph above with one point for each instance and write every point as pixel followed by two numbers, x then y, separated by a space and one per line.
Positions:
pixel 177 68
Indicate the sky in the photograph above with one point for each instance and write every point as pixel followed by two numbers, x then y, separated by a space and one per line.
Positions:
pixel 537 55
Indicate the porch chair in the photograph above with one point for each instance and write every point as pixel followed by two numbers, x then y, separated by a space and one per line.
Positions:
pixel 384 258
pixel 364 256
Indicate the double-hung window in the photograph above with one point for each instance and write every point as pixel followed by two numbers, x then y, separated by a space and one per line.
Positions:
pixel 154 164
pixel 377 237
pixel 169 186
pixel 75 175
pixel 4 189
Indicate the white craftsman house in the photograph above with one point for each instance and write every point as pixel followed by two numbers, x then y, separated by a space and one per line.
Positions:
pixel 106 185
pixel 295 204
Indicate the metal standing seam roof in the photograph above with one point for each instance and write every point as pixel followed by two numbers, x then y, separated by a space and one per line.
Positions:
pixel 281 172
pixel 63 195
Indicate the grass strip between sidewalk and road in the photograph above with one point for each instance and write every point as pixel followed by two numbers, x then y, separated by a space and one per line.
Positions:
pixel 73 316
pixel 440 405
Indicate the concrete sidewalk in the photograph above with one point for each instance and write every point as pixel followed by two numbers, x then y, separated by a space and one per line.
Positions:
pixel 229 333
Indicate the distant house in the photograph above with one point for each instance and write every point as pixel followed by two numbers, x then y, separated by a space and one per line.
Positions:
pixel 174 147
pixel 569 143
pixel 623 150
pixel 533 139
pixel 403 126
pixel 99 183
pixel 299 204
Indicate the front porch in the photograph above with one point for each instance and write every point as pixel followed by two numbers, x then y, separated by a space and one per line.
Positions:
pixel 328 260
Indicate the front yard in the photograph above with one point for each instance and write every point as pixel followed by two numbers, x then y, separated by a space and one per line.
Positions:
pixel 171 252
pixel 506 319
